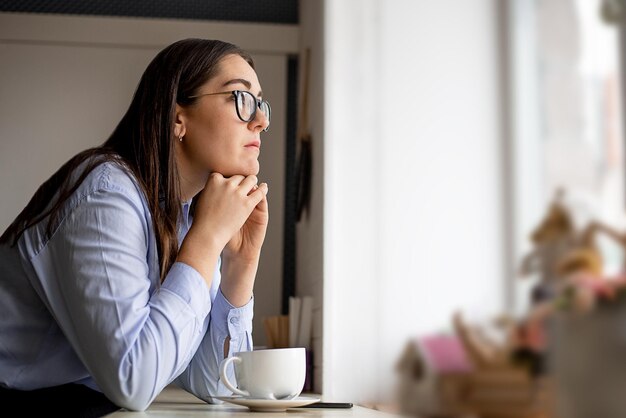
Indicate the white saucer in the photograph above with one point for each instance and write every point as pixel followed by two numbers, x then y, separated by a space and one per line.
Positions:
pixel 269 405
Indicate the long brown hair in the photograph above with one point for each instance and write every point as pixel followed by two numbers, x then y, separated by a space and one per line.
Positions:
pixel 143 142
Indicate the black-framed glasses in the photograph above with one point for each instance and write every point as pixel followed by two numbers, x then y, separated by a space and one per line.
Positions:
pixel 246 105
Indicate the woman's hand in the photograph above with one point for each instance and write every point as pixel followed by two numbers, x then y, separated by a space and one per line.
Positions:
pixel 226 208
pixel 225 205
pixel 242 253
pixel 245 245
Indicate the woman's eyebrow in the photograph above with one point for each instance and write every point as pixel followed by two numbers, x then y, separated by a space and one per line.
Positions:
pixel 238 81
pixel 242 81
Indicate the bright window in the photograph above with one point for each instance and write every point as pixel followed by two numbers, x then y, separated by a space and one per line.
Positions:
pixel 568 116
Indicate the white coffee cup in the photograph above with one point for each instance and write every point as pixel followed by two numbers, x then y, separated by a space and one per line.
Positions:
pixel 276 373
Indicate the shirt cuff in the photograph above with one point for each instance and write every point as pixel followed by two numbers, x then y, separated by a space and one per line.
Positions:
pixel 230 320
pixel 188 284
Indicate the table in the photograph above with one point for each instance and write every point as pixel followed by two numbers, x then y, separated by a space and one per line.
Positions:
pixel 175 402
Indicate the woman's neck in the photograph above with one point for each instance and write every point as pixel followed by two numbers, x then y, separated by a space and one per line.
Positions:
pixel 192 179
pixel 191 185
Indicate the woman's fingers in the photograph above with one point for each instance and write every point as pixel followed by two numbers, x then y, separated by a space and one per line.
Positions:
pixel 231 200
pixel 262 205
pixel 258 194
pixel 235 180
pixel 248 184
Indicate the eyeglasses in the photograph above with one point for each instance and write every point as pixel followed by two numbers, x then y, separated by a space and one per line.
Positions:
pixel 246 105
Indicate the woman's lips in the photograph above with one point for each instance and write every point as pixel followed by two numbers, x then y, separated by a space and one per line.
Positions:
pixel 254 144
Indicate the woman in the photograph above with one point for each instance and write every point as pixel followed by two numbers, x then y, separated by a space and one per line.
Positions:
pixel 108 290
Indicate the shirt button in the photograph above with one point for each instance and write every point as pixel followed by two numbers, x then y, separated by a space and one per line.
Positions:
pixel 234 320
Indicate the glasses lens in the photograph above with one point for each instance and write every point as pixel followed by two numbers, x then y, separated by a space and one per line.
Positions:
pixel 267 111
pixel 245 105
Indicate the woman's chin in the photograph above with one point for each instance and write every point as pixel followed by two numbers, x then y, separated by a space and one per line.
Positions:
pixel 251 170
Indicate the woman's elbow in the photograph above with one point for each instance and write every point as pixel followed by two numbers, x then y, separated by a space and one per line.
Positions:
pixel 133 401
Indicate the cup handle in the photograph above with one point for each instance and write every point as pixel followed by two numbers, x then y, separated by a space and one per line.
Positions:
pixel 223 365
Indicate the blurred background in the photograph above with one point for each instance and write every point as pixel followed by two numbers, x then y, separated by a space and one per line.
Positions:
pixel 437 135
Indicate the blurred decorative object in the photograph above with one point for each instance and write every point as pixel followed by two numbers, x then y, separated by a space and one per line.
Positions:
pixel 471 374
pixel 560 249
pixel 425 369
pixel 305 159
pixel 582 293
pixel 558 245
pixel 612 11
pixel 551 239
pixel 523 346
pixel 571 263
pixel 483 352
pixel 533 370
pixel 594 228
pixel 585 322
pixel 572 341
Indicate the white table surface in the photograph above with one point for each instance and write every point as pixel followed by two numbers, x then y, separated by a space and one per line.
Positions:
pixel 175 402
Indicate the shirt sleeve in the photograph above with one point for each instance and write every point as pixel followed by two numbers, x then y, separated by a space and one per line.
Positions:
pixel 132 339
pixel 202 377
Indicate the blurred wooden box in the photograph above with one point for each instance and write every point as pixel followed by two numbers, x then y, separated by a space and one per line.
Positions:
pixel 436 381
pixel 505 393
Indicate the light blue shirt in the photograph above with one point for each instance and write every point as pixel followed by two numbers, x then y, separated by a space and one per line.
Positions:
pixel 86 304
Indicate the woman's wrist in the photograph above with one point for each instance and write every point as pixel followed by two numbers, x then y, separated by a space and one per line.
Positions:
pixel 239 260
pixel 200 255
pixel 238 280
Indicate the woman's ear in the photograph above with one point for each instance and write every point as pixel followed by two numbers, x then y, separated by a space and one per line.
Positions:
pixel 179 122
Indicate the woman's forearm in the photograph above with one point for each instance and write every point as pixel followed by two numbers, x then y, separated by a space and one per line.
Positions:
pixel 238 280
pixel 197 254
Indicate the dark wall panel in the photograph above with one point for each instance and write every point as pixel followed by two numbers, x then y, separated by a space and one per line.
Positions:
pixel 261 11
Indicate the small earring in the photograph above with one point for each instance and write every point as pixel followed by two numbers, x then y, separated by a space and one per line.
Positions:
pixel 180 138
